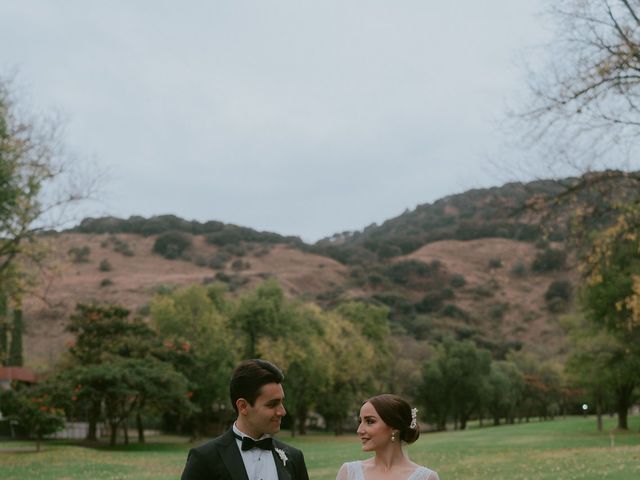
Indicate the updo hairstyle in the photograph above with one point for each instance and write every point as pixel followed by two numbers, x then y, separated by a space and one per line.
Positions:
pixel 396 412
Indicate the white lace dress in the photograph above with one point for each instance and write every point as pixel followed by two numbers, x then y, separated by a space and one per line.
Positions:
pixel 355 472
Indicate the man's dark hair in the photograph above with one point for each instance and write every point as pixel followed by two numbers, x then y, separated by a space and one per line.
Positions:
pixel 249 377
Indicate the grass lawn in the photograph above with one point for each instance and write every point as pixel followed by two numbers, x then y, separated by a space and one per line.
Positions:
pixel 560 449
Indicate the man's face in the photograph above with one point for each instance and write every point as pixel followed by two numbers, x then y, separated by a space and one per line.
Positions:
pixel 266 413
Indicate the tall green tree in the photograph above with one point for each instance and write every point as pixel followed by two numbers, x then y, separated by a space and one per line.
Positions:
pixel 263 312
pixel 195 326
pixel 505 390
pixel 106 339
pixel 589 364
pixel 454 382
pixel 300 352
pixel 610 299
pixel 349 357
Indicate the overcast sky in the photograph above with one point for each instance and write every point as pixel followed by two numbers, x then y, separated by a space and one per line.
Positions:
pixel 300 117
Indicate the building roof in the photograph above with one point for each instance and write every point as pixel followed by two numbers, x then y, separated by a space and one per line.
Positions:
pixel 21 374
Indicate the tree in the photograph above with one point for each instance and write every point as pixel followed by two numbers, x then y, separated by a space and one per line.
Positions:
pixel 260 313
pixel 454 382
pixel 195 327
pixel 300 352
pixel 586 99
pixel 35 410
pixel 129 385
pixel 610 300
pixel 38 183
pixel 589 364
pixel 105 336
pixel 348 355
pixel 506 387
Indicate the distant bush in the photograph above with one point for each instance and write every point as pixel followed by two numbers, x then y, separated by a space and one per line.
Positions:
pixel 395 302
pixel 219 260
pixel 79 254
pixel 557 305
pixel 495 263
pixel 542 244
pixel 497 311
pixel 162 289
pixel 549 260
pixel 222 277
pixel 105 266
pixel 261 252
pixel 172 245
pixel 457 281
pixel 106 282
pixel 486 291
pixel 433 300
pixel 238 250
pixel 453 311
pixel 119 245
pixel 238 265
pixel 404 272
pixel 200 261
pixel 519 269
pixel 559 289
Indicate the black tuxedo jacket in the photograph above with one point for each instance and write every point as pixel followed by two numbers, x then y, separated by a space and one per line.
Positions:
pixel 220 459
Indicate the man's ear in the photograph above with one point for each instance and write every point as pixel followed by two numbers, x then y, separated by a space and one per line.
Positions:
pixel 242 406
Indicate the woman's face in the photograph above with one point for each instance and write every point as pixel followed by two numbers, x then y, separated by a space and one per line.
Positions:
pixel 373 432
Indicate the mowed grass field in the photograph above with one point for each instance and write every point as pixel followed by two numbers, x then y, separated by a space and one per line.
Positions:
pixel 560 449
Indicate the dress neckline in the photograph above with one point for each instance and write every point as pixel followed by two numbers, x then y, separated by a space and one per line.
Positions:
pixel 413 473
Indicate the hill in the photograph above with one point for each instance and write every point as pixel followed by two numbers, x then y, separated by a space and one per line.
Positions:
pixel 474 265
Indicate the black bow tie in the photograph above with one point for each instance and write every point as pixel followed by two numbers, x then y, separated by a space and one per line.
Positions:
pixel 248 443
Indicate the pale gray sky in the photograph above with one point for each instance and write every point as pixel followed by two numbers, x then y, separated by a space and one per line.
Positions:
pixel 300 117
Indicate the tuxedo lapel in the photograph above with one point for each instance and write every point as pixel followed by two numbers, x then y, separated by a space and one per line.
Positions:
pixel 231 457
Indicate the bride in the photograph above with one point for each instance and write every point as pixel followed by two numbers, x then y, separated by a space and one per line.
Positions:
pixel 386 422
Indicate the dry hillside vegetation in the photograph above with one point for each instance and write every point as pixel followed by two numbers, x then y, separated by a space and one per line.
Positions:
pixel 509 305
pixel 498 304
pixel 132 280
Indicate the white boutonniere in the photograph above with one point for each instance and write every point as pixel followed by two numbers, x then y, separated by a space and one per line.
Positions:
pixel 282 455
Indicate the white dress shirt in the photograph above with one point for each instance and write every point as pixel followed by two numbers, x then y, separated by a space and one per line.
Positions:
pixel 259 464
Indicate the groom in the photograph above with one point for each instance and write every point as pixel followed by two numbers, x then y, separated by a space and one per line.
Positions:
pixel 248 451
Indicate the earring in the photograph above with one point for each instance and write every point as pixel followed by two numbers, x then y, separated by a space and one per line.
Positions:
pixel 393 437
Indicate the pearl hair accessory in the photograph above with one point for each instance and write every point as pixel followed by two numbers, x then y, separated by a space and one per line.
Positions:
pixel 414 418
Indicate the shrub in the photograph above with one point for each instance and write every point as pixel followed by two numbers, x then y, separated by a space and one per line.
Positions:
pixel 432 301
pixel 404 272
pixel 519 269
pixel 219 260
pixel 239 250
pixel 558 289
pixel 453 311
pixel 238 265
pixel 457 281
pixel 106 282
pixel 105 266
pixel 172 245
pixel 122 247
pixel 495 263
pixel 79 254
pixel 548 260
pixel 497 311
